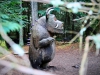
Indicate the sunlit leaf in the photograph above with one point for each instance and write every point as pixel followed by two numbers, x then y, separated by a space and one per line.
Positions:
pixel 56 3
pixel 10 26
pixel 4 16
pixel 57 9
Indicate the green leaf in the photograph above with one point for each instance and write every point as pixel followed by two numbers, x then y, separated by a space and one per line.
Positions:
pixel 4 16
pixel 10 10
pixel 10 26
pixel 42 12
pixel 57 9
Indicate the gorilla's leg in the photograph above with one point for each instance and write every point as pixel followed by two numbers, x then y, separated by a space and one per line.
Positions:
pixel 44 65
pixel 36 63
pixel 47 56
pixel 35 58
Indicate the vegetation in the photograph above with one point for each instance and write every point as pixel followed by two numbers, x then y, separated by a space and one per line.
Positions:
pixel 11 16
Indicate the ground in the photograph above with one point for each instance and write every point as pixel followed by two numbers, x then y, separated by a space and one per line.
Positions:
pixel 68 59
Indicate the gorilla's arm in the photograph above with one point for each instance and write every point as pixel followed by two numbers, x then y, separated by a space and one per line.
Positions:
pixel 46 41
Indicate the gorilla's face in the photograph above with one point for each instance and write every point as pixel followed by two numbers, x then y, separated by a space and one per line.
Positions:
pixel 54 25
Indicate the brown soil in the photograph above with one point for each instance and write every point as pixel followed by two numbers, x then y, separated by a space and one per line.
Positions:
pixel 67 61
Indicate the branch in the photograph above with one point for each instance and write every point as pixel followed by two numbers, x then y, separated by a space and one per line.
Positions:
pixel 23 68
pixel 41 1
pixel 10 56
pixel 65 3
pixel 83 67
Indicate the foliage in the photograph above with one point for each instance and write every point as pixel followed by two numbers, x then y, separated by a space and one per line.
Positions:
pixel 12 10
pixel 11 15
pixel 10 26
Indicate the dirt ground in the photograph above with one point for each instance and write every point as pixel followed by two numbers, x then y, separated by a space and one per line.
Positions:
pixel 68 59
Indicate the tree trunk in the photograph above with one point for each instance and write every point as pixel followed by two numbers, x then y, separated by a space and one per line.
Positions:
pixel 73 17
pixel 21 37
pixel 21 30
pixel 34 12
